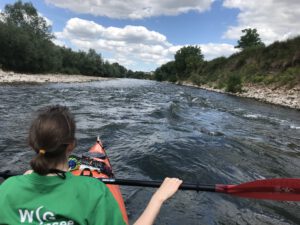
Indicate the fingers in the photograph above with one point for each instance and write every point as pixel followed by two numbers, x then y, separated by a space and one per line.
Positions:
pixel 172 185
pixel 172 182
pixel 168 188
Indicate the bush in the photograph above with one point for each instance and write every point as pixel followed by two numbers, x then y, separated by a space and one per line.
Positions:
pixel 234 84
pixel 195 79
pixel 221 85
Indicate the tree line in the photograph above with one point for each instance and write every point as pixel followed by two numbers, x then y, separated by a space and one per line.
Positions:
pixel 26 46
pixel 278 63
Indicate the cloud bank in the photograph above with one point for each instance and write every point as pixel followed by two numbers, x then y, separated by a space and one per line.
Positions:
pixel 134 9
pixel 131 46
pixel 274 19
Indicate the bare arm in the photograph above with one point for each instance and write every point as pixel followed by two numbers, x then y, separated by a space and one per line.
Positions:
pixel 167 189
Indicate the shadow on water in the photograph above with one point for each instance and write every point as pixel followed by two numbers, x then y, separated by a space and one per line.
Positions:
pixel 153 130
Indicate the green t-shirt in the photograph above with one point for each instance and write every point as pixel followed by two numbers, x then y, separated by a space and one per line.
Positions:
pixel 51 200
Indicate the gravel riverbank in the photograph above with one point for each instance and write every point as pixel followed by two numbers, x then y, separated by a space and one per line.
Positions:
pixel 289 97
pixel 11 77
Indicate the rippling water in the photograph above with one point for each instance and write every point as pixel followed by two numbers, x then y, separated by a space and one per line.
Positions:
pixel 153 130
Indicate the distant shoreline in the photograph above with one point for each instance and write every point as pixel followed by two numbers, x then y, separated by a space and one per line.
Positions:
pixel 288 97
pixel 19 78
pixel 278 96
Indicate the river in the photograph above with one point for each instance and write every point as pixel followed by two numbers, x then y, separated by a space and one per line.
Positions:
pixel 153 130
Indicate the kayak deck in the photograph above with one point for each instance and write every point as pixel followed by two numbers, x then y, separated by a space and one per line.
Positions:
pixel 96 164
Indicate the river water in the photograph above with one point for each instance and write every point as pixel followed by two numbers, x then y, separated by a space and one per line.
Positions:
pixel 153 130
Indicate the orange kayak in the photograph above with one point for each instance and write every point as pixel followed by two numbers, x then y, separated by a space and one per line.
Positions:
pixel 96 164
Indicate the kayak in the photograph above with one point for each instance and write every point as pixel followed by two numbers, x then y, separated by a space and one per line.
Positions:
pixel 96 164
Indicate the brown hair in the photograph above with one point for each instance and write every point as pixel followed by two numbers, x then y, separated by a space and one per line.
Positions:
pixel 50 133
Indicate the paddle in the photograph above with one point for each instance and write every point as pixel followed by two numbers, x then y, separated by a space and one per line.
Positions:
pixel 280 189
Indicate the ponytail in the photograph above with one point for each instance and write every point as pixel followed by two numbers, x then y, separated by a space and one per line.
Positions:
pixel 40 165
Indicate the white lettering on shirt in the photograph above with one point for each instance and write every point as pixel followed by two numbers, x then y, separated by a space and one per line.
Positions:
pixel 48 217
pixel 37 213
pixel 26 215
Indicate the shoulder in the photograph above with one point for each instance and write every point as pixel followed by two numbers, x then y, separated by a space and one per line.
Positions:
pixel 91 190
pixel 11 182
pixel 90 183
pixel 84 179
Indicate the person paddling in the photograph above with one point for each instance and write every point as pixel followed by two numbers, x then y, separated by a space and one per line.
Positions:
pixel 50 194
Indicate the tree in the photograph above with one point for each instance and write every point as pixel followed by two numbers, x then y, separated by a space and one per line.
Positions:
pixel 166 72
pixel 234 83
pixel 90 63
pixel 187 60
pixel 26 44
pixel 117 70
pixel 250 39
pixel 25 16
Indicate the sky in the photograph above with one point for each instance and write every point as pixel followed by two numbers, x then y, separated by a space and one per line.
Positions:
pixel 144 34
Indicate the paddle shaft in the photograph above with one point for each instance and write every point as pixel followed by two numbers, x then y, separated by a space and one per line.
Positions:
pixel 280 189
pixel 140 183
pixel 155 184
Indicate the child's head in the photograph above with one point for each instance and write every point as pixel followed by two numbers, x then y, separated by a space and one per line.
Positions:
pixel 51 135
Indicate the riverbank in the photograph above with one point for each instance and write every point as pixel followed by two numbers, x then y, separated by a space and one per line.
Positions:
pixel 16 78
pixel 284 96
pixel 289 97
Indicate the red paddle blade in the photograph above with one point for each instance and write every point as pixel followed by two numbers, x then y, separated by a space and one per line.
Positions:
pixel 280 189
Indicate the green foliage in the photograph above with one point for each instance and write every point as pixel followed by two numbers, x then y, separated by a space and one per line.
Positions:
pixel 250 39
pixel 26 40
pixel 138 75
pixel 220 85
pixel 213 69
pixel 277 64
pixel 289 77
pixel 23 52
pixel 90 63
pixel 25 16
pixel 196 79
pixel 187 60
pixel 26 46
pixel 118 70
pixel 234 84
pixel 166 72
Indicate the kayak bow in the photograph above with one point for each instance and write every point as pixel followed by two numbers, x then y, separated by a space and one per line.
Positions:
pixel 96 164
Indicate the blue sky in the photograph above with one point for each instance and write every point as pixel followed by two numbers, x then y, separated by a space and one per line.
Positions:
pixel 142 35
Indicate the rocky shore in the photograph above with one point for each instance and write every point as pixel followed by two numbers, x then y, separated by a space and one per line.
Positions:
pixel 284 96
pixel 12 78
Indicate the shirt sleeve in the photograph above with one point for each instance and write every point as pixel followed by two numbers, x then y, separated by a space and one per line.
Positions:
pixel 106 210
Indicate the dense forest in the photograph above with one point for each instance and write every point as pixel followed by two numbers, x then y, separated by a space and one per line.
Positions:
pixel 26 46
pixel 277 64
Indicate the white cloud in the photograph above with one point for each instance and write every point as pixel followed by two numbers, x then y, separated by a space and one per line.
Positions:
pixel 59 40
pixel 2 18
pixel 273 19
pixel 48 21
pixel 131 42
pixel 134 9
pixel 131 46
pixel 212 50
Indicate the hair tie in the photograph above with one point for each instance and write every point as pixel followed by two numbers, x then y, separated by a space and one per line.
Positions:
pixel 42 151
